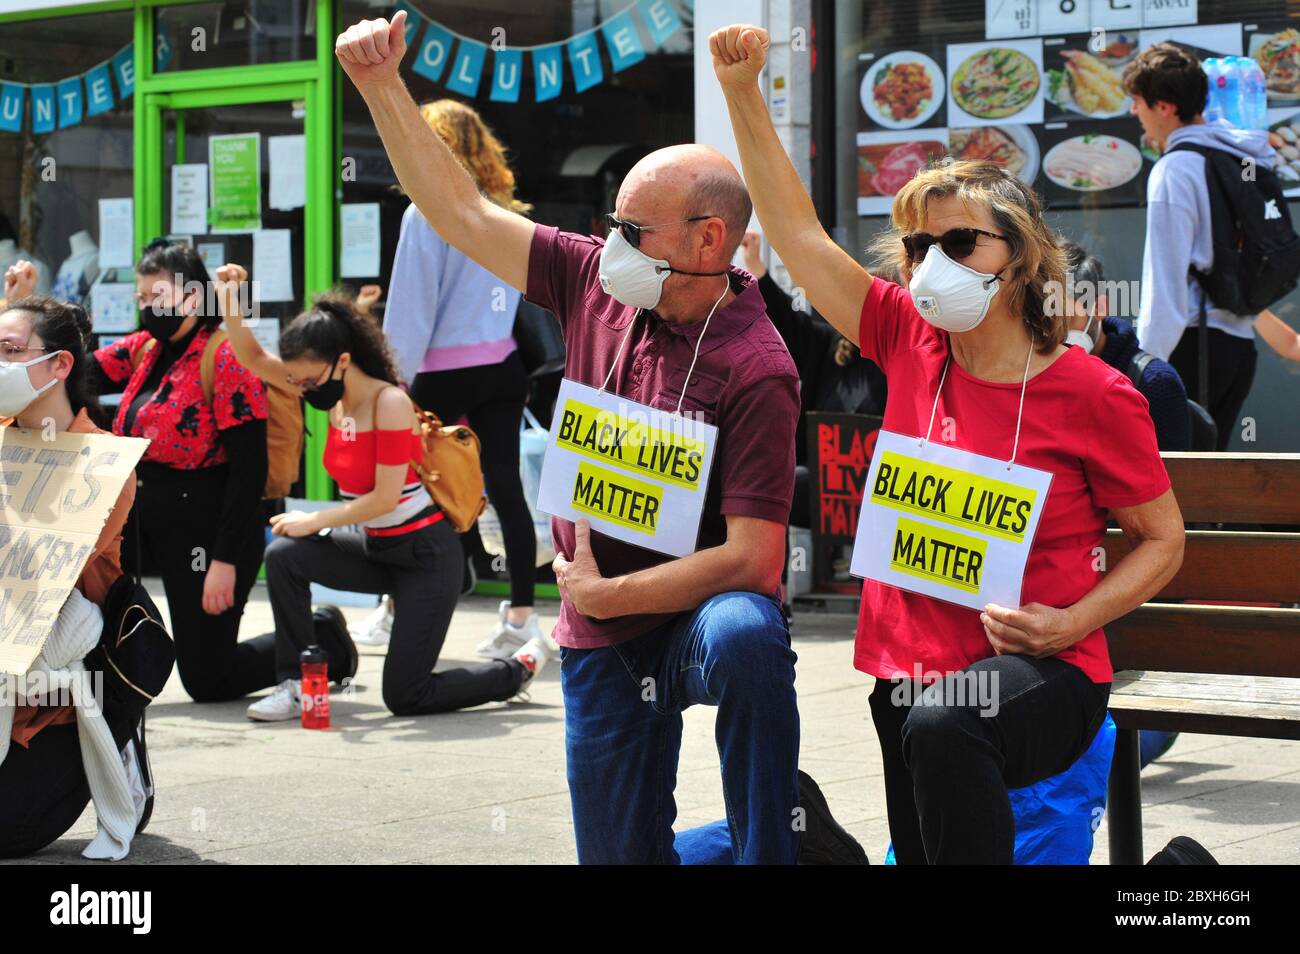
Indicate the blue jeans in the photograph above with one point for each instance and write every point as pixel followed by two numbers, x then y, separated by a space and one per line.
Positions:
pixel 623 732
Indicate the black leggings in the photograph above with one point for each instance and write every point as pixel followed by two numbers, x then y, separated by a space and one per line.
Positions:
pixel 1231 372
pixel 422 571
pixel 949 759
pixel 492 398
pixel 177 513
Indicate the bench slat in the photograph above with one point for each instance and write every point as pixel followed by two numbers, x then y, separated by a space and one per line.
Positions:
pixel 1229 705
pixel 1236 488
pixel 1233 640
pixel 1225 565
pixel 1210 689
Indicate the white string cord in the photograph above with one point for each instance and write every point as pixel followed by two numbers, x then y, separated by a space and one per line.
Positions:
pixel 698 341
pixel 619 353
pixel 1024 384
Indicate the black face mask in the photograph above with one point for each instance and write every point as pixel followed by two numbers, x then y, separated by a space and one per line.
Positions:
pixel 161 322
pixel 328 394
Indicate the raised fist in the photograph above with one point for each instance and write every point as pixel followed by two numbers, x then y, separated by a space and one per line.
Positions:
pixel 370 51
pixel 739 54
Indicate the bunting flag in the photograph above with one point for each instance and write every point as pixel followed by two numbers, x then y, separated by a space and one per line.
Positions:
pixel 473 68
pixel 70 101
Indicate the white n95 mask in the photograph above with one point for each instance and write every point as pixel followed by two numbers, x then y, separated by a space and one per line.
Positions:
pixel 630 276
pixel 1082 337
pixel 16 390
pixel 949 295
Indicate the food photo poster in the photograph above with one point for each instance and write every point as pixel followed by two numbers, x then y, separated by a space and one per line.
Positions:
pixel 1052 108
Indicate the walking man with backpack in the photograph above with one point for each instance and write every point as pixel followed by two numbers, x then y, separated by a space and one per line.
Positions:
pixel 1200 270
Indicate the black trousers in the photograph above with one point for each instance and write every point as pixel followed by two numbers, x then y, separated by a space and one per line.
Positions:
pixel 177 513
pixel 43 788
pixel 422 572
pixel 1231 373
pixel 492 398
pixel 950 753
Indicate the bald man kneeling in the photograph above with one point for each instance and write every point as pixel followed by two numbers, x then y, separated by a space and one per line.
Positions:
pixel 644 635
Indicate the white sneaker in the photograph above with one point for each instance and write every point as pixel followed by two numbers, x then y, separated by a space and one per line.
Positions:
pixel 533 656
pixel 376 629
pixel 506 638
pixel 281 705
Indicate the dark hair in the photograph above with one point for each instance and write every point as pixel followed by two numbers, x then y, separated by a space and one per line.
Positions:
pixel 332 326
pixel 1082 266
pixel 65 327
pixel 172 260
pixel 1168 73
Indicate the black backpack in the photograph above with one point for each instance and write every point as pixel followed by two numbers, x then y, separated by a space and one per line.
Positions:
pixel 1256 251
pixel 1205 433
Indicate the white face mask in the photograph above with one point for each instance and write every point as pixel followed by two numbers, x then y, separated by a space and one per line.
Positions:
pixel 949 295
pixel 630 276
pixel 1082 337
pixel 16 391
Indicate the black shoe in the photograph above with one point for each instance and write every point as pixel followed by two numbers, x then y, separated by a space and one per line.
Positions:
pixel 332 635
pixel 1182 850
pixel 824 841
pixel 141 755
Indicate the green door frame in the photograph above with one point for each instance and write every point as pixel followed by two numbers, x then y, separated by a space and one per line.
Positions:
pixel 311 82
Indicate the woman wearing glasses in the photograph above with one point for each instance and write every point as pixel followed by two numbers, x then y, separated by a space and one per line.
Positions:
pixel 44 383
pixel 199 509
pixel 973 351
pixel 386 536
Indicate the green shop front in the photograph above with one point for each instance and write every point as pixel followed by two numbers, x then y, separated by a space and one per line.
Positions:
pixel 229 125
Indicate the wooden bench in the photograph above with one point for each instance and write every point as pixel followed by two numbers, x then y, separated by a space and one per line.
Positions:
pixel 1214 669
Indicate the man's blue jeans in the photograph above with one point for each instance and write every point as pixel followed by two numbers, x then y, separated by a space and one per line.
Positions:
pixel 623 732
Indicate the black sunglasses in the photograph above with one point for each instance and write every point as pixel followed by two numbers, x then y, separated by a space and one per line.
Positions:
pixel 957 244
pixel 632 233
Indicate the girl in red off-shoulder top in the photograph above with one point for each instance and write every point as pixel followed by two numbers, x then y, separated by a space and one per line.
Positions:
pixel 385 536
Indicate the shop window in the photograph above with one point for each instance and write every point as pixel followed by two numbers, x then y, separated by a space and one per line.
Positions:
pixel 233 33
pixel 66 98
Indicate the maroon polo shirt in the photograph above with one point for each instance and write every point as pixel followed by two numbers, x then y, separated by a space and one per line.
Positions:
pixel 744 383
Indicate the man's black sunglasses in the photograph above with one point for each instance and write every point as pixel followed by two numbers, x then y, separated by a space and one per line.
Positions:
pixel 632 233
pixel 957 244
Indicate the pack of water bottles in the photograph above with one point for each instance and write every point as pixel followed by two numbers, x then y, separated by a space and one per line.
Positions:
pixel 1238 92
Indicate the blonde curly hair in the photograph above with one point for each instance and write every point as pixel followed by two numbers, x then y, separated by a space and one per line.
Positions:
pixel 477 148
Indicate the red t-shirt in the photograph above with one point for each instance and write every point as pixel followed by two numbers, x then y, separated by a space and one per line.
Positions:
pixel 1083 422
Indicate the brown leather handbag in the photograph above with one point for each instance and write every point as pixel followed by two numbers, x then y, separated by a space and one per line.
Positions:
pixel 450 469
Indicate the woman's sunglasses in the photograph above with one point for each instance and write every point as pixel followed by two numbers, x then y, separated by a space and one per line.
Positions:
pixel 957 244
pixel 632 233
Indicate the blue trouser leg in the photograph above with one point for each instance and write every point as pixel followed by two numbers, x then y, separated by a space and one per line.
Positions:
pixel 623 719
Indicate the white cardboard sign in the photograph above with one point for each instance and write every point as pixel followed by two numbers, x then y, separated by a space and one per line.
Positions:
pixel 637 473
pixel 947 523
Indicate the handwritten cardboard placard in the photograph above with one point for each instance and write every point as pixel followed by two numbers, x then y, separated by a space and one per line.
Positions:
pixel 55 496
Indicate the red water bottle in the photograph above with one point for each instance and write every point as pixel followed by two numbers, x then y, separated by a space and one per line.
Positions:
pixel 315 688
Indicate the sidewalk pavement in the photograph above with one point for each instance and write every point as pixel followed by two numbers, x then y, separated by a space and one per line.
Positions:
pixel 487 786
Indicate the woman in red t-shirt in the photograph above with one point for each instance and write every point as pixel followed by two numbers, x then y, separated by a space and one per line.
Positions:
pixel 386 536
pixel 975 360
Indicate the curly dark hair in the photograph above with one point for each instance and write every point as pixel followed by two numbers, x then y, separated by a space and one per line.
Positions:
pixel 333 326
pixel 66 327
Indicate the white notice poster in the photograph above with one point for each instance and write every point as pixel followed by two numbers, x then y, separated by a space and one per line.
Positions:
pixel 359 245
pixel 116 233
pixel 190 198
